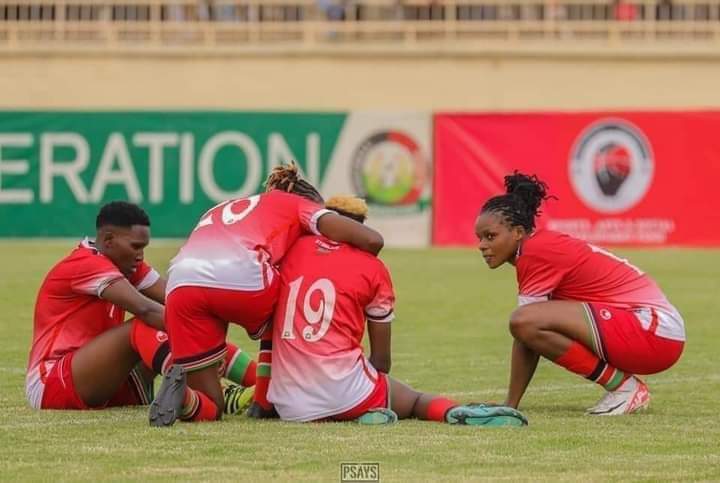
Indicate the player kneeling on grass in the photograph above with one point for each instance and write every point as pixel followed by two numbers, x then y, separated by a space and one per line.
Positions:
pixel 580 306
pixel 328 290
pixel 83 355
pixel 226 272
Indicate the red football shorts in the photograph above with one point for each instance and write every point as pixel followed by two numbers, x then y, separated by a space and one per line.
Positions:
pixel 60 393
pixel 378 398
pixel 196 319
pixel 626 345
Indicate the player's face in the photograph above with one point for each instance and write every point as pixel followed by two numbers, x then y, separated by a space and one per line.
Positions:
pixel 126 246
pixel 497 242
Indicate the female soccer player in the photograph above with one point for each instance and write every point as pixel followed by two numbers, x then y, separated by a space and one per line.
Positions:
pixel 226 272
pixel 328 292
pixel 580 306
pixel 83 354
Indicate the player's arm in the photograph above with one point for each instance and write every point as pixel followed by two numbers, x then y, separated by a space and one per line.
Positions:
pixel 379 314
pixel 379 334
pixel 124 295
pixel 343 229
pixel 156 291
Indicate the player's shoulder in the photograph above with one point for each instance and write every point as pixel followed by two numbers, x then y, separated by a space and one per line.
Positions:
pixel 83 261
pixel 85 254
pixel 84 251
pixel 551 246
pixel 324 246
pixel 288 202
pixel 364 261
pixel 541 240
pixel 281 196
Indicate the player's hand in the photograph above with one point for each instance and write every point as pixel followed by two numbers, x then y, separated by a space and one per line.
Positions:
pixel 256 411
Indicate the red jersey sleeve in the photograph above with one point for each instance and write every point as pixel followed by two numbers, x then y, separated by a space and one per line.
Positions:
pixel 93 275
pixel 309 213
pixel 541 266
pixel 144 276
pixel 382 306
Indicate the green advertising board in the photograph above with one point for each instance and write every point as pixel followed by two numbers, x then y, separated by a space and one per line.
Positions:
pixel 57 168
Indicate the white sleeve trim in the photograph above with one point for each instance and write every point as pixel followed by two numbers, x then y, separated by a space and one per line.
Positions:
pixel 531 299
pixel 106 283
pixel 149 280
pixel 314 220
pixel 384 318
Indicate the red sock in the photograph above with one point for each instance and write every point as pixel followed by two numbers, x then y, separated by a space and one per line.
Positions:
pixel 238 366
pixel 151 344
pixel 198 407
pixel 262 379
pixel 438 407
pixel 580 360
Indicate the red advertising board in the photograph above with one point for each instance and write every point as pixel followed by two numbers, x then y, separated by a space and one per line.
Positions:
pixel 630 178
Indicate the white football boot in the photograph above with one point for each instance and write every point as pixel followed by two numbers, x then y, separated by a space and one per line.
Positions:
pixel 630 397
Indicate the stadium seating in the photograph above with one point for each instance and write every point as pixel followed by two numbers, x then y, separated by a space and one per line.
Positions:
pixel 307 25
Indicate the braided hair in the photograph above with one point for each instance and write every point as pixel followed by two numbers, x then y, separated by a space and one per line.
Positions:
pixel 521 203
pixel 287 178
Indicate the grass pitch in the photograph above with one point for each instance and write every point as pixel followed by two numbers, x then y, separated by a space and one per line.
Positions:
pixel 450 337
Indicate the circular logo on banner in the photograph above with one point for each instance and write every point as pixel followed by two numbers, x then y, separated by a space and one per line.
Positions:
pixel 388 169
pixel 611 166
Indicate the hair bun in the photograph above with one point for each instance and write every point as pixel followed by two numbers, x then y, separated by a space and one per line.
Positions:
pixel 528 188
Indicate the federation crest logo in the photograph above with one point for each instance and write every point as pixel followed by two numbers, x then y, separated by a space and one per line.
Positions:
pixel 389 170
pixel 611 166
pixel 605 314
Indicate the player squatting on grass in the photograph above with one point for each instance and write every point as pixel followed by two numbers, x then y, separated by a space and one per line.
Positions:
pixel 580 306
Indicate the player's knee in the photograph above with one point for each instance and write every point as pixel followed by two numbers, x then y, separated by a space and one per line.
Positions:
pixel 522 323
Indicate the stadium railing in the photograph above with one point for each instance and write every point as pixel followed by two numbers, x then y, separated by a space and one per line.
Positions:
pixel 369 26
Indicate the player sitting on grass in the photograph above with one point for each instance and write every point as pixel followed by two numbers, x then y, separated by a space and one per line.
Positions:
pixel 83 355
pixel 226 273
pixel 580 306
pixel 328 291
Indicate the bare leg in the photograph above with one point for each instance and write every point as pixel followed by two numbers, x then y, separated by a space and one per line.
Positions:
pixel 407 402
pixel 102 365
pixel 549 328
pixel 207 381
pixel 543 329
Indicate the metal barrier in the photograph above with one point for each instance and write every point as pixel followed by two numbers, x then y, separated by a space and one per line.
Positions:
pixel 370 26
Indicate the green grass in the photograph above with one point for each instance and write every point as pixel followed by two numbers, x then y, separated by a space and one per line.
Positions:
pixel 450 337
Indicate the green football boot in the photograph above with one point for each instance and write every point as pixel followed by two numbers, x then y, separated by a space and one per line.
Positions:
pixel 485 415
pixel 378 416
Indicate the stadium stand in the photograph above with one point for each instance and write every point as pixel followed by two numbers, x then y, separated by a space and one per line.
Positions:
pixel 309 25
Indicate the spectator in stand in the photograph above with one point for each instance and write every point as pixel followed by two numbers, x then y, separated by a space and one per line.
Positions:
pixel 334 9
pixel 625 11
pixel 664 10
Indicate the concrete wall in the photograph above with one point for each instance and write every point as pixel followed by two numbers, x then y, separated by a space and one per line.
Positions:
pixel 357 82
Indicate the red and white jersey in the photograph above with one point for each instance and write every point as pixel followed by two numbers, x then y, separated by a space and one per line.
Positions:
pixel 238 242
pixel 328 291
pixel 69 311
pixel 552 265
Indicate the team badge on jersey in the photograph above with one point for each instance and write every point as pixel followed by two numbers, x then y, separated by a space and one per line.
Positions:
pixel 611 166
